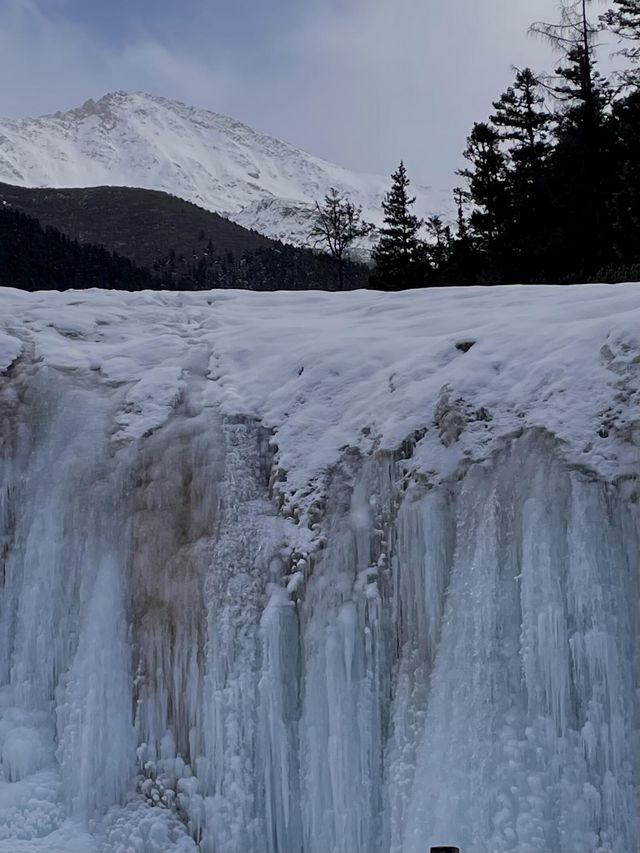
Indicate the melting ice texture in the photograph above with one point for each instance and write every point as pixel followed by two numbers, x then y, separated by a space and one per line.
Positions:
pixel 458 664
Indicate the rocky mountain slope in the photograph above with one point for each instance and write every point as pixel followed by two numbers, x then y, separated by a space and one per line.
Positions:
pixel 140 140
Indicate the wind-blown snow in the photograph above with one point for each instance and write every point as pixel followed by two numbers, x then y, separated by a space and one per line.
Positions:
pixel 310 572
pixel 139 140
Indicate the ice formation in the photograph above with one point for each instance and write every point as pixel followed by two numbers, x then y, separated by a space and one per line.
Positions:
pixel 390 645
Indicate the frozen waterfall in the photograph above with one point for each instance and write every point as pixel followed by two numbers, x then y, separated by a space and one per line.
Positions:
pixel 450 661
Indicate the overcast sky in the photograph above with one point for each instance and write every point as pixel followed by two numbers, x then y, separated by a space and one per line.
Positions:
pixel 360 82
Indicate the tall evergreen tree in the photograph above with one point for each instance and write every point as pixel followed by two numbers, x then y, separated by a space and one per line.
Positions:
pixel 625 200
pixel 582 176
pixel 522 122
pixel 580 166
pixel 554 195
pixel 488 190
pixel 400 257
pixel 624 20
pixel 576 81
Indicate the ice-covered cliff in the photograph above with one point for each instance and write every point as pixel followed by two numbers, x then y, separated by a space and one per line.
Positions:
pixel 312 572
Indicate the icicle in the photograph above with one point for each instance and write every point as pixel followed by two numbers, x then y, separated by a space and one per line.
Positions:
pixel 278 710
pixel 96 736
pixel 455 668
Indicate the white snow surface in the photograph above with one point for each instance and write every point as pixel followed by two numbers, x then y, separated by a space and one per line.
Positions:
pixel 319 367
pixel 140 140
pixel 10 349
pixel 320 572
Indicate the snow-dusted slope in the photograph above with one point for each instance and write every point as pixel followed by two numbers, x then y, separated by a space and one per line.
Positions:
pixel 145 141
pixel 311 572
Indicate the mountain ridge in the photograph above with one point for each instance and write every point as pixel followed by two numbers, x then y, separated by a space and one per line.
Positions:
pixel 143 225
pixel 151 142
pixel 178 244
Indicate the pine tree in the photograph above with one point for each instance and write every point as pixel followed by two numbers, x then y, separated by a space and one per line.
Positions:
pixel 460 197
pixel 400 256
pixel 487 180
pixel 573 37
pixel 582 105
pixel 625 202
pixel 522 122
pixel 338 225
pixel 439 252
pixel 580 167
pixel 581 164
pixel 461 266
pixel 624 20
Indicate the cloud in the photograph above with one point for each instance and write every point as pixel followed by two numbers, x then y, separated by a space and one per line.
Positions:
pixel 380 80
pixel 48 62
pixel 359 82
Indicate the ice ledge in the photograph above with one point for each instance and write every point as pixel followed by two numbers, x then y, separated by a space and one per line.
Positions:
pixel 363 370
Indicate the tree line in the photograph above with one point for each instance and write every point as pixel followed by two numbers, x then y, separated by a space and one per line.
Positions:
pixel 36 258
pixel 551 187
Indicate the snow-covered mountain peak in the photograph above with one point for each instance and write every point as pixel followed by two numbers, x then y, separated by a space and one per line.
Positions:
pixel 136 139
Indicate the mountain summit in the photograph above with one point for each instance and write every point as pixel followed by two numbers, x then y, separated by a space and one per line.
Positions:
pixel 141 140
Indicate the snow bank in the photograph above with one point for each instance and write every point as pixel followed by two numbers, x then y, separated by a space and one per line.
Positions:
pixel 326 371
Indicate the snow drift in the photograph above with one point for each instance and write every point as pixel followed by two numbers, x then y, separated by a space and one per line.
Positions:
pixel 311 572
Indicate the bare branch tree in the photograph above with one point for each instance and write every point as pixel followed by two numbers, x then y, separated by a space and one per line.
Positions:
pixel 337 226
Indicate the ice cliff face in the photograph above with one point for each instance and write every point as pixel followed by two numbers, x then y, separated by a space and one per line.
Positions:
pixel 214 161
pixel 390 645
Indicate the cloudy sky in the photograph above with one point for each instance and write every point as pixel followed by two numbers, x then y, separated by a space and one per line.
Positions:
pixel 360 82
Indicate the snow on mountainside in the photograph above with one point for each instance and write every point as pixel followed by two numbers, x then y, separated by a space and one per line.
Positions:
pixel 221 164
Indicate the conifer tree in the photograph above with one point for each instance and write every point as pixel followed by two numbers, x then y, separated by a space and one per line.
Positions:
pixel 522 122
pixel 487 186
pixel 554 195
pixel 459 199
pixel 624 20
pixel 581 162
pixel 625 201
pixel 461 265
pixel 580 166
pixel 439 252
pixel 400 257
pixel 573 37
